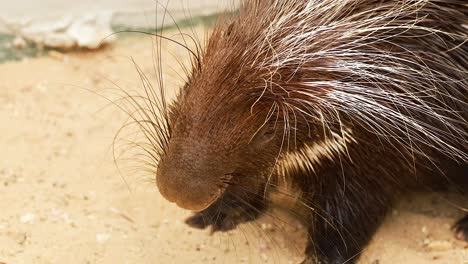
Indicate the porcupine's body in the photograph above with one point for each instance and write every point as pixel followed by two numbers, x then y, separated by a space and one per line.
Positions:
pixel 348 102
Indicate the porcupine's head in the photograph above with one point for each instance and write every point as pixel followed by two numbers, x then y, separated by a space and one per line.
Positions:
pixel 227 131
pixel 219 139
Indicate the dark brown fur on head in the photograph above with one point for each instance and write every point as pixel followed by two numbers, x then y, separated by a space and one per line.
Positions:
pixel 227 132
pixel 352 102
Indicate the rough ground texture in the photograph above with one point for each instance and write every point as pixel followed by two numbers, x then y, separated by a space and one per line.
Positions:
pixel 63 200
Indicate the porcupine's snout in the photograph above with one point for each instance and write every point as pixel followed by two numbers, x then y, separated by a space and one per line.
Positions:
pixel 189 179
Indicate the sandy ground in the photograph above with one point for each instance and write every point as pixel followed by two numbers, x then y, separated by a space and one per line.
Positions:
pixel 63 200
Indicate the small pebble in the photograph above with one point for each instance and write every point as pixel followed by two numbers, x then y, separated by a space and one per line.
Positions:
pixel 91 217
pixel 27 218
pixel 42 86
pixel 263 246
pixel 102 237
pixel 424 230
pixel 65 217
pixel 439 245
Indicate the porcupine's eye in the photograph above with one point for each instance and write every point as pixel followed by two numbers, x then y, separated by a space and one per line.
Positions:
pixel 264 137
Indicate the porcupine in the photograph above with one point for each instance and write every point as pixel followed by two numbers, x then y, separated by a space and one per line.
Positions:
pixel 349 103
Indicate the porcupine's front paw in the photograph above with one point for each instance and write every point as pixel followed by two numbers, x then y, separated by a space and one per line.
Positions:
pixel 224 216
pixel 461 229
pixel 219 221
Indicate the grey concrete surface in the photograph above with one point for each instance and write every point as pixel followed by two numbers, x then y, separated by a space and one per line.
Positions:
pixel 131 13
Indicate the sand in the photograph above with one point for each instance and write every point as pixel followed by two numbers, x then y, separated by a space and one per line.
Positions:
pixel 64 201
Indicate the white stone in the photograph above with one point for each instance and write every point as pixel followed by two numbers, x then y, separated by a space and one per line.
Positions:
pixel 27 218
pixel 102 237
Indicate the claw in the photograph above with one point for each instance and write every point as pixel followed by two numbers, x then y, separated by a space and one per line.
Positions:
pixel 461 229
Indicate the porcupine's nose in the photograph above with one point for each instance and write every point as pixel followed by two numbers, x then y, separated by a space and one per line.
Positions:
pixel 188 194
pixel 182 182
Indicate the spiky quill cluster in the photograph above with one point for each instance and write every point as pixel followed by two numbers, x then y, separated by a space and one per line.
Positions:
pixel 396 68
